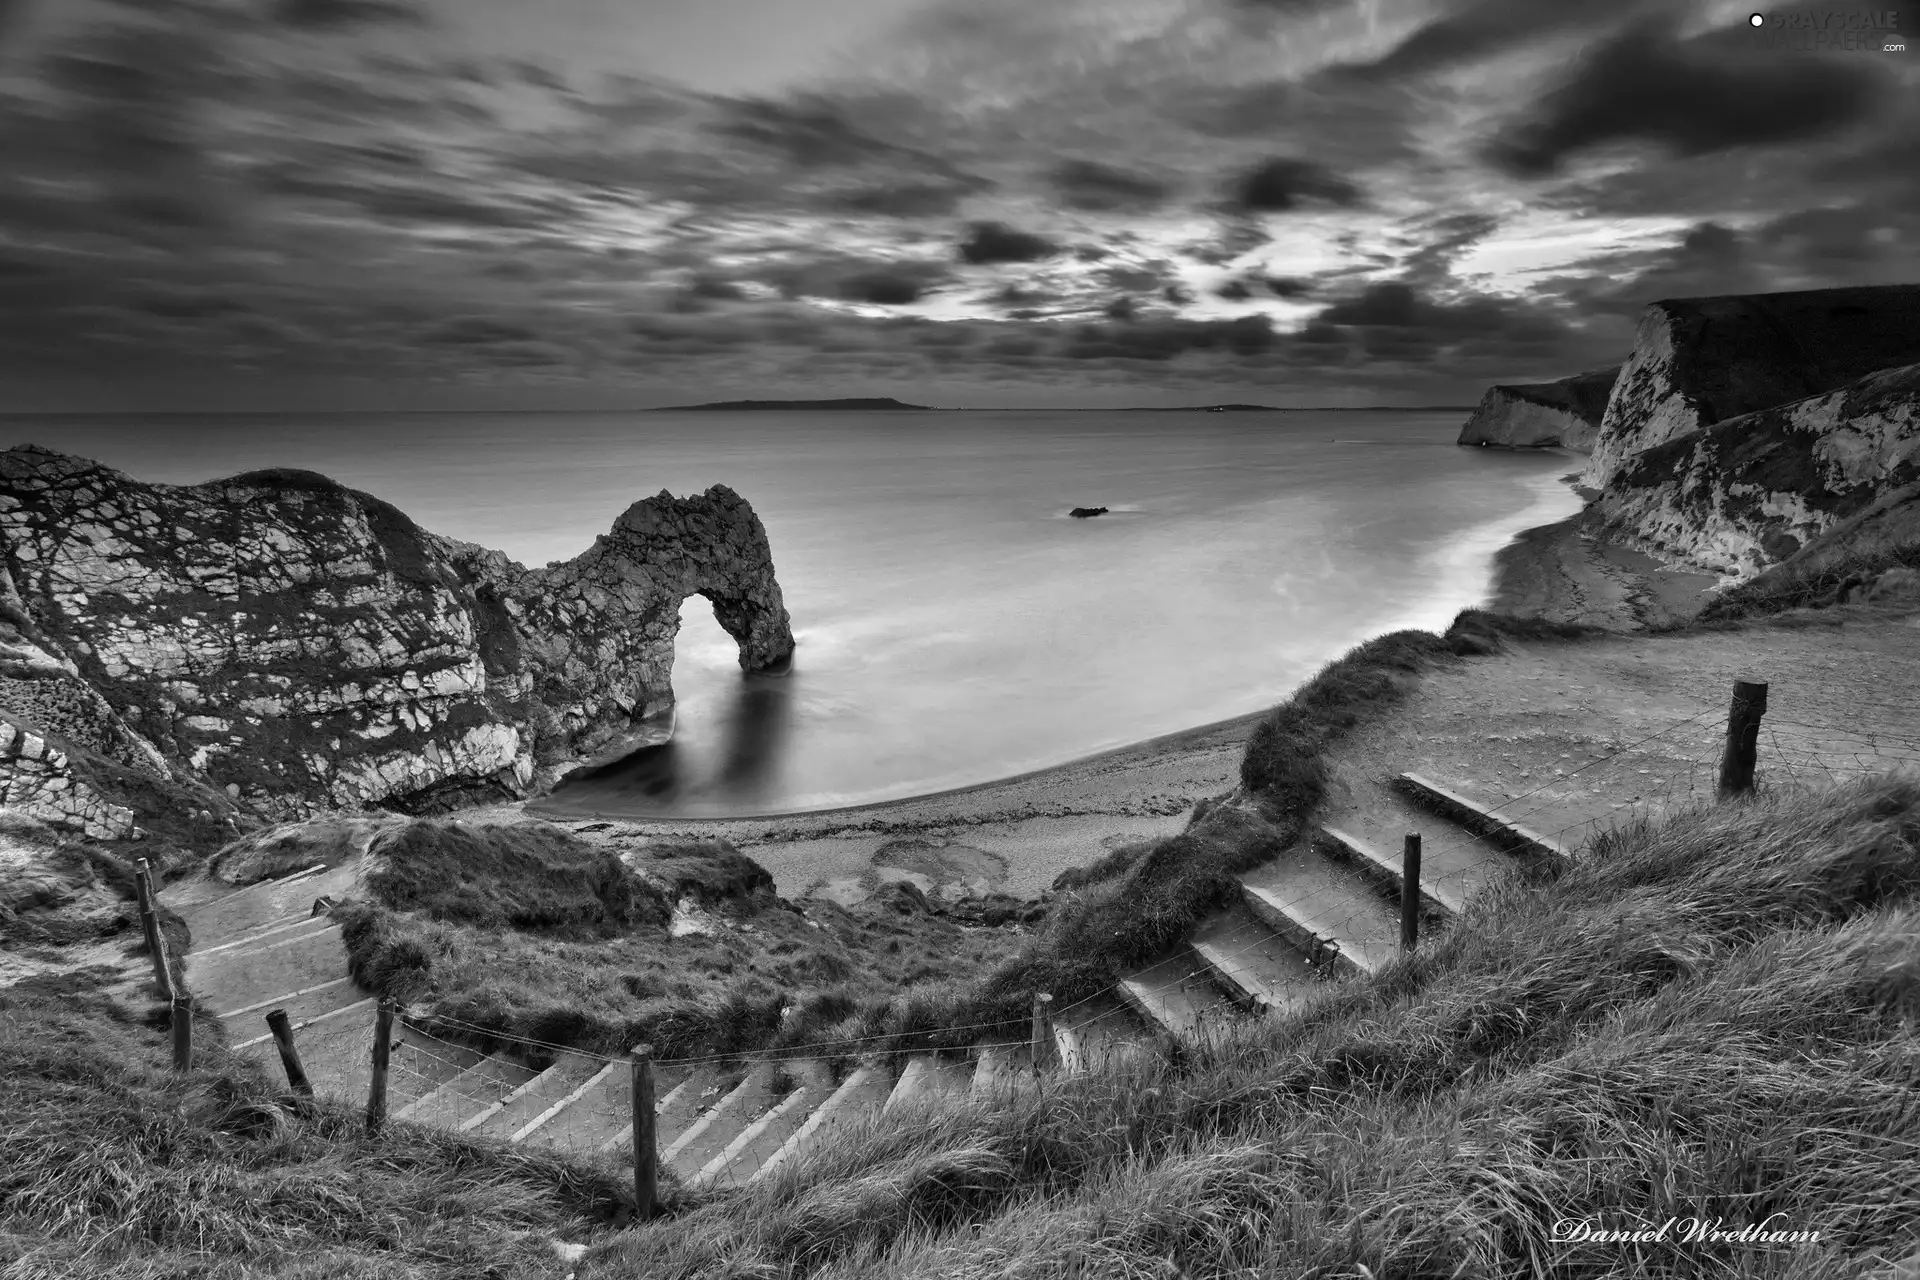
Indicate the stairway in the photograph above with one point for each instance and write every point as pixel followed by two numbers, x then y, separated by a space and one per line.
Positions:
pixel 1325 907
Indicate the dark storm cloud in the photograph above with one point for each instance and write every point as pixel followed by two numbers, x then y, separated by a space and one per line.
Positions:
pixel 906 199
pixel 1103 188
pixel 997 242
pixel 810 135
pixel 1398 321
pixel 1121 309
pixel 1287 287
pixel 1177 295
pixel 1481 28
pixel 1136 279
pixel 1707 94
pixel 337 15
pixel 1281 184
pixel 1233 291
pixel 852 280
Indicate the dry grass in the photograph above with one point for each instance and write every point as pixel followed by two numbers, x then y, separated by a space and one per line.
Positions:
pixel 1714 1016
pixel 523 931
pixel 1792 587
pixel 112 1166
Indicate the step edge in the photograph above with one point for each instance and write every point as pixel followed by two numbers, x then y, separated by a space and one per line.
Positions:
pixel 699 1127
pixel 525 1088
pixel 291 995
pixel 1376 864
pixel 1542 844
pixel 716 1166
pixel 533 1125
pixel 1294 929
pixel 835 1101
pixel 318 1017
pixel 246 939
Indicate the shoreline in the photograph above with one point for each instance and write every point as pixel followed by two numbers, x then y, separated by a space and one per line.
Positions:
pixel 1026 828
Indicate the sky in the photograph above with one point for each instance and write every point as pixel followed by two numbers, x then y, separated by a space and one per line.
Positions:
pixel 259 205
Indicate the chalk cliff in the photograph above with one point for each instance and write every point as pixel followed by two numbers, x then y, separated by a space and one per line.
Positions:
pixel 1699 361
pixel 1753 490
pixel 304 645
pixel 1541 415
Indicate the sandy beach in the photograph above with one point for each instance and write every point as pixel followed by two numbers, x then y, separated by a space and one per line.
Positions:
pixel 1016 835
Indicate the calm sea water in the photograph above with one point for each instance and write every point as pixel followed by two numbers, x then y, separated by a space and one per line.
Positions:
pixel 954 626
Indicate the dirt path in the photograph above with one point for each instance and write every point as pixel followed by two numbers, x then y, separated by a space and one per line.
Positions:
pixel 1570 738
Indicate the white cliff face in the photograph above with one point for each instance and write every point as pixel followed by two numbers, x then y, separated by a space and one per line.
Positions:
pixel 304 646
pixel 1564 414
pixel 1699 361
pixel 1750 491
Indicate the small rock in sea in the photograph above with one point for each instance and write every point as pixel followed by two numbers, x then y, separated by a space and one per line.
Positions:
pixel 1081 513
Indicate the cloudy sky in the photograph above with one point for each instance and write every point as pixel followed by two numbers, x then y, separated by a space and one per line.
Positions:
pixel 257 204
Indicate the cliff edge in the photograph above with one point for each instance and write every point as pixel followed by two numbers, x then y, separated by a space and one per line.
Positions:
pixel 1699 361
pixel 1751 491
pixel 300 644
pixel 1541 415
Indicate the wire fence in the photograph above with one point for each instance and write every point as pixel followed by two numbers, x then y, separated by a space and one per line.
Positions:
pixel 723 1119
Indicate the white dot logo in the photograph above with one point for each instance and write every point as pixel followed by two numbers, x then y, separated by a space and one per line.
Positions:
pixel 1756 20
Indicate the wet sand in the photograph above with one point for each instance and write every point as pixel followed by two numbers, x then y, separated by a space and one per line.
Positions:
pixel 1015 835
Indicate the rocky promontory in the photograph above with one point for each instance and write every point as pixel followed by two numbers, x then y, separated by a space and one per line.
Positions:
pixel 1751 491
pixel 1698 361
pixel 1540 415
pixel 302 645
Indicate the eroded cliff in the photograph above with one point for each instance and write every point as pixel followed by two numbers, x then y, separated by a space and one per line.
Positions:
pixel 1539 415
pixel 302 645
pixel 1750 491
pixel 1700 361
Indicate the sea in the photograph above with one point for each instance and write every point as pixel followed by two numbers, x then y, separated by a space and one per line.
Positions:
pixel 954 625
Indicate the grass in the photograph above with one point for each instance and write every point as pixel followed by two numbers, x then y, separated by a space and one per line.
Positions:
pixel 524 931
pixel 1790 587
pixel 1712 1016
pixel 1132 905
pixel 111 1166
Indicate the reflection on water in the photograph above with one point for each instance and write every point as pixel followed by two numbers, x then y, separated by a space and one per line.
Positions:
pixel 739 770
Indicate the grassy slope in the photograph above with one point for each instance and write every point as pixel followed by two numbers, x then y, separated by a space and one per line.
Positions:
pixel 111 1166
pixel 1713 1016
pixel 523 930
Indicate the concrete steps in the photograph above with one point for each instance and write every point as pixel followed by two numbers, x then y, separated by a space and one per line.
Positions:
pixel 1325 910
pixel 929 1079
pixel 1481 819
pixel 1256 967
pixel 260 905
pixel 712 1132
pixel 857 1101
pixel 999 1069
pixel 741 1159
pixel 533 1099
pixel 301 1007
pixel 1441 896
pixel 1176 994
pixel 417 1064
pixel 335 1048
pixel 276 966
pixel 1096 1033
pixel 676 1100
pixel 467 1094
pixel 596 1111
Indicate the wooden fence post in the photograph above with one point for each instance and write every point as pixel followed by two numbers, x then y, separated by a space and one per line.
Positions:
pixel 143 885
pixel 1042 1030
pixel 1743 737
pixel 162 970
pixel 289 1056
pixel 1410 893
pixel 182 1034
pixel 382 1051
pixel 646 1156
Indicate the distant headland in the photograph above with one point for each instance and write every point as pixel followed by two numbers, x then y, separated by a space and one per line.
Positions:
pixel 880 402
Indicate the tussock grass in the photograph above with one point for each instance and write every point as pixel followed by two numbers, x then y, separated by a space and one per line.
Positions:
pixel 527 875
pixel 1714 1015
pixel 525 932
pixel 1794 587
pixel 112 1166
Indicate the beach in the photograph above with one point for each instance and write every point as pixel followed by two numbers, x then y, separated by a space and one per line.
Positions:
pixel 1017 834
